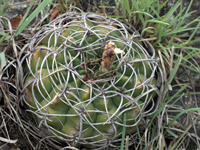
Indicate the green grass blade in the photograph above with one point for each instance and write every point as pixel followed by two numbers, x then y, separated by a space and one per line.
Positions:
pixel 6 7
pixel 155 137
pixel 2 60
pixel 189 67
pixel 158 22
pixel 192 53
pixel 126 5
pixel 186 94
pixel 163 49
pixel 0 7
pixel 165 105
pixel 175 20
pixel 76 8
pixel 111 7
pixel 192 41
pixel 123 132
pixel 178 141
pixel 25 16
pixel 145 13
pixel 6 36
pixel 172 133
pixel 155 12
pixel 192 69
pixel 193 33
pixel 160 6
pixel 177 116
pixel 117 4
pixel 171 11
pixel 179 30
pixel 191 22
pixel 138 9
pixel 31 17
pixel 178 61
pixel 139 136
pixel 188 8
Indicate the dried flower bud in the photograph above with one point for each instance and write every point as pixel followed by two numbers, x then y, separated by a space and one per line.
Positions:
pixel 108 56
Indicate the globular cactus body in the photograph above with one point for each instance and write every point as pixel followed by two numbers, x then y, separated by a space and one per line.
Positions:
pixel 85 72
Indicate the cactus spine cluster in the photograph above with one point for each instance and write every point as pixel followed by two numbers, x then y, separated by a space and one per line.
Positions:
pixel 84 73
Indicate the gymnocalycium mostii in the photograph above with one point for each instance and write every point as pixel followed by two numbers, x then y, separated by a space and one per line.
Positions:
pixel 85 71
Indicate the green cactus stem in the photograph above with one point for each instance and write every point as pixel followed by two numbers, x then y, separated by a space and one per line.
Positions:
pixel 84 72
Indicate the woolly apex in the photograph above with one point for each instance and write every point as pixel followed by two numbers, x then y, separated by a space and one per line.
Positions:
pixel 108 55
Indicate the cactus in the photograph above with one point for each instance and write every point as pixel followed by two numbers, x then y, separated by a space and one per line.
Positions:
pixel 84 73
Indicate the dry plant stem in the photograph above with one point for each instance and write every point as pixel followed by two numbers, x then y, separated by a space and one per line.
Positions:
pixel 179 84
pixel 164 73
pixel 149 39
pixel 7 100
pixel 20 3
pixel 95 7
pixel 185 132
pixel 4 124
pixel 22 125
pixel 104 10
pixel 171 60
pixel 162 142
pixel 191 116
pixel 69 147
pixel 11 109
pixel 40 20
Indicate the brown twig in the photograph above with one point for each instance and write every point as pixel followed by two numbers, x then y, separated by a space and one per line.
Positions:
pixel 104 10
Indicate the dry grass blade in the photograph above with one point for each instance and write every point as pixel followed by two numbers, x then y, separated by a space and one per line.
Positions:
pixel 7 140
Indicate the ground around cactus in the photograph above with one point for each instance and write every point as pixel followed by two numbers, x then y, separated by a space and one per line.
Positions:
pixel 189 76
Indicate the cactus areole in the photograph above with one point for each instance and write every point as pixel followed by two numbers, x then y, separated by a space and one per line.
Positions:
pixel 84 72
